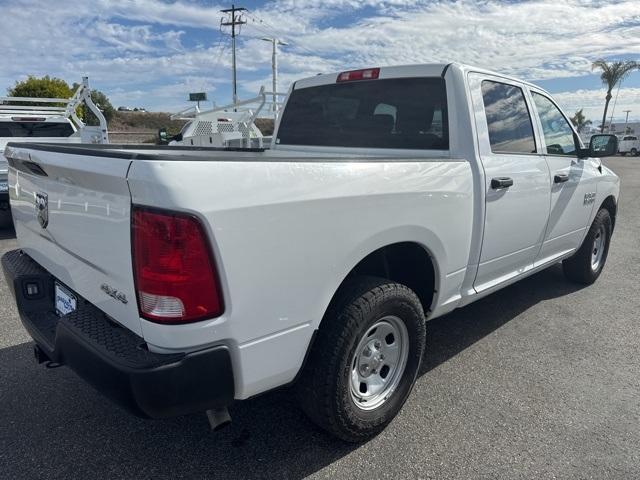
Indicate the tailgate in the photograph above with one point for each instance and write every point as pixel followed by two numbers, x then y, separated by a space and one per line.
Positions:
pixel 72 216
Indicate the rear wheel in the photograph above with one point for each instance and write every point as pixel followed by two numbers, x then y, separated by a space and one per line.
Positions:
pixel 587 263
pixel 365 359
pixel 634 152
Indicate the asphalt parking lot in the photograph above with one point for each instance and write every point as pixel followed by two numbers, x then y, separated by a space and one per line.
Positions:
pixel 540 380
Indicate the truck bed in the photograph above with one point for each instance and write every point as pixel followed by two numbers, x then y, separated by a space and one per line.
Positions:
pixel 285 229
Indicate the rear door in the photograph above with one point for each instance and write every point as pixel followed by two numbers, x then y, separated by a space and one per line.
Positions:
pixel 516 180
pixel 573 181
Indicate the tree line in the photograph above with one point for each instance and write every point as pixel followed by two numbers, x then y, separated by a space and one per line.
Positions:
pixel 52 87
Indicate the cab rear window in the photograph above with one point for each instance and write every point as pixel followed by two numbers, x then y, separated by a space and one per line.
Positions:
pixel 35 129
pixel 406 113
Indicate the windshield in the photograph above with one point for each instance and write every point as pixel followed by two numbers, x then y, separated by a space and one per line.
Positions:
pixel 406 113
pixel 35 129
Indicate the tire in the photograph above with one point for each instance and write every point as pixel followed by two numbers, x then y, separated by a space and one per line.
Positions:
pixel 326 388
pixel 587 263
pixel 634 152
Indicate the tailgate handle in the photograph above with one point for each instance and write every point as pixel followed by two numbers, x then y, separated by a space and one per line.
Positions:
pixel 501 182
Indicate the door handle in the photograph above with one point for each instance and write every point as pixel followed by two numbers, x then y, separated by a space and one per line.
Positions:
pixel 501 182
pixel 560 178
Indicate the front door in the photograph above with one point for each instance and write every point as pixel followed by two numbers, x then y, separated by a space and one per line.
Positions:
pixel 516 180
pixel 573 181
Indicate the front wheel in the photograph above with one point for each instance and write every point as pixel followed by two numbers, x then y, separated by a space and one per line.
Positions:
pixel 634 152
pixel 365 359
pixel 587 263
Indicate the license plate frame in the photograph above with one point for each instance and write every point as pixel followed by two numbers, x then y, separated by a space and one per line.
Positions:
pixel 64 301
pixel 4 187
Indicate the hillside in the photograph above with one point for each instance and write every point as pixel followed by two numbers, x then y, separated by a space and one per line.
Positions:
pixel 142 127
pixel 138 121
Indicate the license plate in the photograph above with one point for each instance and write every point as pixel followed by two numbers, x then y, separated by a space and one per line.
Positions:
pixel 65 300
pixel 4 187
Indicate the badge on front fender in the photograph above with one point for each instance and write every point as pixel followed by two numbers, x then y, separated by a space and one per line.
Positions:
pixel 42 209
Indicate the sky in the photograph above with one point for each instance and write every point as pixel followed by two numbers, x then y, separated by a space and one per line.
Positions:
pixel 152 53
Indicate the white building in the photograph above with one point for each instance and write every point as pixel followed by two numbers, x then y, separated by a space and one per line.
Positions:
pixel 619 128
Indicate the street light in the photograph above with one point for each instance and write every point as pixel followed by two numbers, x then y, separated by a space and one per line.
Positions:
pixel 274 69
pixel 626 120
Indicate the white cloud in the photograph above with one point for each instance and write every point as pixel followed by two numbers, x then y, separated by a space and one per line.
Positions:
pixel 137 38
pixel 129 47
pixel 543 39
pixel 593 103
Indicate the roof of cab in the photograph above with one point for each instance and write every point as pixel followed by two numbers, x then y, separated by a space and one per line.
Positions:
pixel 399 71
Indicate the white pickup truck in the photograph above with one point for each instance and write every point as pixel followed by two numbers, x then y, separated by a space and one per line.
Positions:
pixel 26 119
pixel 180 279
pixel 629 144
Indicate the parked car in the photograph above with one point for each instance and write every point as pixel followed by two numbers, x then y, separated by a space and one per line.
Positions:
pixel 180 279
pixel 629 144
pixel 27 120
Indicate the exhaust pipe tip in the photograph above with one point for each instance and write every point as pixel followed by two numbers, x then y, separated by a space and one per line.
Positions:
pixel 218 418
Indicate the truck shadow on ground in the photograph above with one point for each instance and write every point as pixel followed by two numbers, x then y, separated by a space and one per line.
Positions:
pixel 52 422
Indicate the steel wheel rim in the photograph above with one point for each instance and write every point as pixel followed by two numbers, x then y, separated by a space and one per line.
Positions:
pixel 378 363
pixel 597 251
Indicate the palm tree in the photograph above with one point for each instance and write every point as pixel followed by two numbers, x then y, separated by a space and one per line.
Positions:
pixel 579 120
pixel 612 74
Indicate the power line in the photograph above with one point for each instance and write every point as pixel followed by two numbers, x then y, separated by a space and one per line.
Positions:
pixel 232 21
pixel 275 32
pixel 614 106
pixel 217 62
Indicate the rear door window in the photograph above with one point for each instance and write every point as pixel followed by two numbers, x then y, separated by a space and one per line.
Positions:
pixel 508 119
pixel 35 129
pixel 404 113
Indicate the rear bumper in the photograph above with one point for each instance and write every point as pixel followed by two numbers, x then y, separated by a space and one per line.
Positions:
pixel 114 359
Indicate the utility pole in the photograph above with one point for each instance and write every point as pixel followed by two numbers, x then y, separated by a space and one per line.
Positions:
pixel 232 21
pixel 626 120
pixel 274 69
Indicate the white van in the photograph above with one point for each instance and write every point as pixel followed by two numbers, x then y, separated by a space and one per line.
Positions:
pixel 629 144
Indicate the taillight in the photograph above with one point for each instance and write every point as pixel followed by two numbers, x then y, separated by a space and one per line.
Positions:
pixel 175 274
pixel 366 74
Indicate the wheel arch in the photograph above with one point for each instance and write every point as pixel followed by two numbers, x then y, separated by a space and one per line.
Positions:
pixel 425 246
pixel 611 205
pixel 410 262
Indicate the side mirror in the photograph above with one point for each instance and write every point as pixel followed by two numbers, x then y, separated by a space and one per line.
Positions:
pixel 602 146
